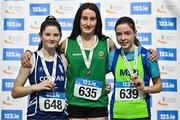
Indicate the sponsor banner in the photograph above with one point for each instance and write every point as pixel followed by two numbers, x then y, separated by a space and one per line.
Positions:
pixel 168 54
pixel 12 53
pixel 7 84
pixel 39 9
pixel 167 115
pixel 110 23
pixel 166 23
pixel 145 38
pixel 140 8
pixel 13 23
pixel 169 85
pixel 11 114
pixel 156 24
pixel 66 23
pixel 34 39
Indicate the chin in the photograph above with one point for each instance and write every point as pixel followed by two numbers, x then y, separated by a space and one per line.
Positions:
pixel 125 48
pixel 88 32
pixel 52 47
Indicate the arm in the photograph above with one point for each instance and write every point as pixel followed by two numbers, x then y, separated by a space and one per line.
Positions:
pixel 154 72
pixel 19 90
pixel 111 44
pixel 64 61
pixel 62 46
pixel 155 88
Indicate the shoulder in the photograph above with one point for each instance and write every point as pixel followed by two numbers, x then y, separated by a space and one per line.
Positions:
pixel 111 54
pixel 65 62
pixel 111 44
pixel 143 50
pixel 62 45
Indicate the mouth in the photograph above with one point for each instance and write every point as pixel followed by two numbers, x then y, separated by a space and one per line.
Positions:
pixel 123 43
pixel 87 29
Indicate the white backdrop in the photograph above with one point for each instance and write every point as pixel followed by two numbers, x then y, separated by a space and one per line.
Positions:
pixel 157 25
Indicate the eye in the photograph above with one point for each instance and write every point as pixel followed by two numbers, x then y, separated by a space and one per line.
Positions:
pixel 118 33
pixel 56 34
pixel 84 18
pixel 93 18
pixel 128 33
pixel 47 34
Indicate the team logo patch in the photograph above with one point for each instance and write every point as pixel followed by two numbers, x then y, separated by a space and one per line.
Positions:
pixel 40 69
pixel 101 54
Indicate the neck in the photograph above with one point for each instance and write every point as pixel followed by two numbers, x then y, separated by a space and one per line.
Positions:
pixel 48 53
pixel 129 49
pixel 87 37
pixel 88 41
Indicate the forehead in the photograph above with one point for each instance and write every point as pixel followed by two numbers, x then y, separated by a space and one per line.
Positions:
pixel 123 27
pixel 88 12
pixel 51 29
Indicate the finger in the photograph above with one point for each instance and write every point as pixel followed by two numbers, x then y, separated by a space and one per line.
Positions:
pixel 24 63
pixel 108 85
pixel 108 91
pixel 47 88
pixel 154 55
pixel 132 78
pixel 27 65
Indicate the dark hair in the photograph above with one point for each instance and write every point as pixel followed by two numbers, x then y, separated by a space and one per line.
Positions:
pixel 76 25
pixel 49 21
pixel 131 23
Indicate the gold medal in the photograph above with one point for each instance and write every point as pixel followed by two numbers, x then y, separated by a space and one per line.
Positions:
pixel 88 73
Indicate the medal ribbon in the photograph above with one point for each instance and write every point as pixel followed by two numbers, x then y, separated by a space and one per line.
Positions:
pixel 127 63
pixel 88 60
pixel 52 78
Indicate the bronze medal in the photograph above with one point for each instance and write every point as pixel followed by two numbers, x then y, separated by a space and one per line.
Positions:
pixel 88 73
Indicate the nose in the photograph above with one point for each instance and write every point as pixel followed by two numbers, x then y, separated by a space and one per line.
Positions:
pixel 122 36
pixel 51 37
pixel 88 22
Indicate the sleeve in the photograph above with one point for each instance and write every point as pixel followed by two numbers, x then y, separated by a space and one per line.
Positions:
pixel 153 67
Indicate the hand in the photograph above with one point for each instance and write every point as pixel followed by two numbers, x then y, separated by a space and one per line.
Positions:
pixel 137 83
pixel 108 87
pixel 154 55
pixel 25 61
pixel 44 85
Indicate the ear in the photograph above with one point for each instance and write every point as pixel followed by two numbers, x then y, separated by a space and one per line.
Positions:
pixel 135 32
pixel 40 37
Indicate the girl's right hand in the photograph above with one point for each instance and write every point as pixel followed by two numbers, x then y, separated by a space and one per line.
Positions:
pixel 108 87
pixel 44 85
pixel 25 61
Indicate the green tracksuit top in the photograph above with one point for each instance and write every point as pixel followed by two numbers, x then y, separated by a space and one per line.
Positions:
pixel 77 73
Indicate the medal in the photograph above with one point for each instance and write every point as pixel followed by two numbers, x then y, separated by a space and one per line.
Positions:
pixel 44 66
pixel 88 73
pixel 88 60
pixel 133 72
